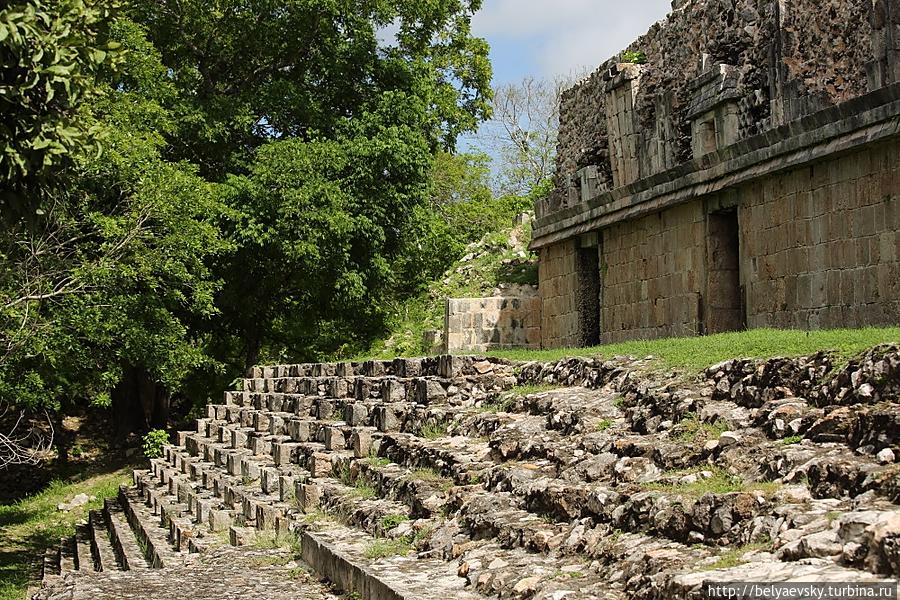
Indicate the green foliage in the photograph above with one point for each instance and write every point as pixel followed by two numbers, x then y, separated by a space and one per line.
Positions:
pixel 693 429
pixel 635 57
pixel 391 521
pixel 33 524
pixel 719 482
pixel 385 547
pixel 249 72
pixel 604 424
pixel 52 53
pixel 154 442
pixel 791 440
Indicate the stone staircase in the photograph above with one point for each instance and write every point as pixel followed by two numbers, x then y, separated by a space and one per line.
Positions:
pixel 418 478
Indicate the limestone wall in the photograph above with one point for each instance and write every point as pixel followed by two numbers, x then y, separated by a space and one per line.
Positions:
pixel 558 283
pixel 482 324
pixel 820 246
pixel 791 57
pixel 652 274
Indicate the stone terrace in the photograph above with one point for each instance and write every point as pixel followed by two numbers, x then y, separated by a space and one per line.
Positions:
pixel 445 477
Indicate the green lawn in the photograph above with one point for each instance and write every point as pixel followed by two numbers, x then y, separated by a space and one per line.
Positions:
pixel 33 524
pixel 697 353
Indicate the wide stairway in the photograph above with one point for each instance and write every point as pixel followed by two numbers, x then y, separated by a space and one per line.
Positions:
pixel 464 477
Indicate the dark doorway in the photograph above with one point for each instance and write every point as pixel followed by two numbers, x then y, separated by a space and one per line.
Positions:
pixel 724 302
pixel 588 295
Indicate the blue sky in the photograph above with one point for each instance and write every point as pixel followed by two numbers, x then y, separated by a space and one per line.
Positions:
pixel 546 38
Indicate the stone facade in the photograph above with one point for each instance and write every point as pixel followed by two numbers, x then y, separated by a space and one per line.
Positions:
pixel 743 175
pixel 499 322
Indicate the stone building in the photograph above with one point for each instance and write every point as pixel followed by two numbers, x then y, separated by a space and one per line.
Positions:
pixel 738 166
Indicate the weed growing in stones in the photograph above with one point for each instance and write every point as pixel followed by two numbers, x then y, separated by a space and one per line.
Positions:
pixel 267 540
pixel 270 561
pixel 390 521
pixel 718 481
pixel 433 476
pixel 794 439
pixel 433 431
pixel 377 461
pixel 384 548
pixel 735 557
pixel 692 429
pixel 604 424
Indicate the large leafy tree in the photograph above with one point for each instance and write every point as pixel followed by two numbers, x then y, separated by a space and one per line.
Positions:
pixel 255 70
pixel 321 119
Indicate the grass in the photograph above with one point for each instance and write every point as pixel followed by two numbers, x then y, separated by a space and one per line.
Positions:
pixel 520 391
pixel 384 548
pixel 604 424
pixel 735 557
pixel 377 461
pixel 272 541
pixel 390 521
pixel 791 440
pixel 33 524
pixel 693 429
pixel 721 482
pixel 433 476
pixel 697 353
pixel 433 431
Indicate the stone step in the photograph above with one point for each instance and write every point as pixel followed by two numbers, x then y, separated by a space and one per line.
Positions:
pixel 84 558
pixel 145 525
pixel 101 546
pixel 67 555
pixel 128 551
pixel 376 569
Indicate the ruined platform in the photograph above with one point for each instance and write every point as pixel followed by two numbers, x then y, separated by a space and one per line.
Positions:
pixel 448 477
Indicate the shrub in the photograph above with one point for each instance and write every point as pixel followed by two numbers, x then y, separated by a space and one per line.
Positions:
pixel 154 442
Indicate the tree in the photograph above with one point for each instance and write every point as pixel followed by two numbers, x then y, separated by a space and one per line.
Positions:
pixel 249 72
pixel 522 133
pixel 50 52
pixel 101 286
pixel 323 138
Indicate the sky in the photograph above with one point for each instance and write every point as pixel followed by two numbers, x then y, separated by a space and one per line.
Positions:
pixel 546 38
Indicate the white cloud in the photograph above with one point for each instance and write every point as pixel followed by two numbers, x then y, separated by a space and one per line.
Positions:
pixel 567 36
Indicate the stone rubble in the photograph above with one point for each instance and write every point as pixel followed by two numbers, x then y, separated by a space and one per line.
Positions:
pixel 432 477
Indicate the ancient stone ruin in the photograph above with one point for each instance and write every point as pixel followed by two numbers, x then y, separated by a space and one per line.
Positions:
pixel 738 166
pixel 446 478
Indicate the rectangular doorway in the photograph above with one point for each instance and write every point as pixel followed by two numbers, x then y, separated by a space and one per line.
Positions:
pixel 724 306
pixel 588 294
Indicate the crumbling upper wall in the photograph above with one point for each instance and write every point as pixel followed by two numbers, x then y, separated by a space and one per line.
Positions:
pixel 784 58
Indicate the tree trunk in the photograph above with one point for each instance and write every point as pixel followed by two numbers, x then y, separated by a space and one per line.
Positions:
pixel 140 403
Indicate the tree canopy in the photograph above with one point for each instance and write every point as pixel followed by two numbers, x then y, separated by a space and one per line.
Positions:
pixel 202 185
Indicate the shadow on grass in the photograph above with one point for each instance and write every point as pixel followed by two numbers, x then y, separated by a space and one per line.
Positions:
pixel 33 524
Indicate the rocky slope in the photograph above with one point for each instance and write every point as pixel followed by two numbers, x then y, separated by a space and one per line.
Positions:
pixel 470 478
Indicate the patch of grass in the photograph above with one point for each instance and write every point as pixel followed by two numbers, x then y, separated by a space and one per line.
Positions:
pixel 693 429
pixel 363 492
pixel 794 439
pixel 33 524
pixel 270 561
pixel 267 540
pixel 734 557
pixel 377 461
pixel 384 548
pixel 433 476
pixel 433 431
pixel 316 517
pixel 390 521
pixel 721 482
pixel 604 424
pixel 697 353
